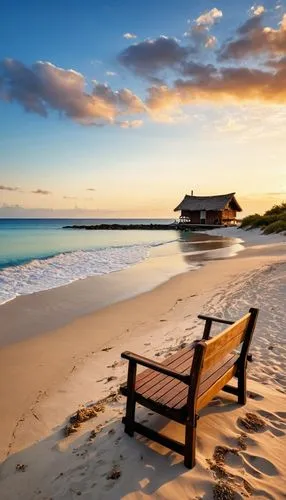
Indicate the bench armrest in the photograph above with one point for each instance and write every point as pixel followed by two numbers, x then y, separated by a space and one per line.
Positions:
pixel 218 320
pixel 158 367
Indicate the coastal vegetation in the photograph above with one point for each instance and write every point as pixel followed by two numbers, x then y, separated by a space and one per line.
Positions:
pixel 272 221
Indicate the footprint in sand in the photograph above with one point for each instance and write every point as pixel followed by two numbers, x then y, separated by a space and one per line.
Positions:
pixel 281 414
pixel 237 461
pixel 276 432
pixel 274 418
pixel 261 464
pixel 255 395
pixel 254 423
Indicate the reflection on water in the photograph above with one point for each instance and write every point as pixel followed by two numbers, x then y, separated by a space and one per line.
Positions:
pixel 197 247
pixel 191 249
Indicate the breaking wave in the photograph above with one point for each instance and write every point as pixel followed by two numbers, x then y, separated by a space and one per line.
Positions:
pixel 62 269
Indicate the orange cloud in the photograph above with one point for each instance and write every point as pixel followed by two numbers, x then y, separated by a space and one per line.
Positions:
pixel 255 39
pixel 209 17
pixel 44 86
pixel 226 84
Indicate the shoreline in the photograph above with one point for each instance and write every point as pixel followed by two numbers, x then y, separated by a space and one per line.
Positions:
pixel 56 355
pixel 47 377
pixel 51 308
pixel 48 310
pixel 54 374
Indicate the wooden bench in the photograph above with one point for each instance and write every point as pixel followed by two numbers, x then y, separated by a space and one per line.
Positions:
pixel 185 382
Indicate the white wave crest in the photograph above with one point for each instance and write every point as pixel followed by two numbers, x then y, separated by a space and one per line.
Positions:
pixel 62 269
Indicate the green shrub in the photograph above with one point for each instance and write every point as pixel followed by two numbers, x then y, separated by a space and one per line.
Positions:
pixel 277 209
pixel 250 220
pixel 276 227
pixel 273 221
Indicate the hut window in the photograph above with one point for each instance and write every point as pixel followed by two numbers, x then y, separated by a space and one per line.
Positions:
pixel 203 216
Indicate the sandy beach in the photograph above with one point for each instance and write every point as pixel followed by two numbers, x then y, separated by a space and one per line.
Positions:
pixel 47 375
pixel 142 226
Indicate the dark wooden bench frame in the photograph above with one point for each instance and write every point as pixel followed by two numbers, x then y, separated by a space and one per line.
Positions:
pixel 207 352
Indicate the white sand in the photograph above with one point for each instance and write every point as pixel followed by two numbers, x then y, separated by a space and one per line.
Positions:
pixel 155 324
pixel 250 237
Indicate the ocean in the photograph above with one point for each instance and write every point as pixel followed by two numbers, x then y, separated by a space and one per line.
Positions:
pixel 38 254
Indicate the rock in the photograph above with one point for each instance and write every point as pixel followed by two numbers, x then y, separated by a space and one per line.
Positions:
pixel 71 428
pixel 115 473
pixel 21 467
pixel 92 435
pixel 183 345
pixel 109 379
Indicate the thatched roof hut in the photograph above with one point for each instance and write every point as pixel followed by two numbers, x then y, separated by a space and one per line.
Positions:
pixel 215 210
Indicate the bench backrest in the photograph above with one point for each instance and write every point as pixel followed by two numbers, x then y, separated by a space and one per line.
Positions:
pixel 225 342
pixel 209 353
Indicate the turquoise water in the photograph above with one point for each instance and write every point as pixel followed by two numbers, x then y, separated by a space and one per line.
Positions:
pixel 22 240
pixel 38 254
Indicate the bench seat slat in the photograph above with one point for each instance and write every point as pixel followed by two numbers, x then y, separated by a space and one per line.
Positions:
pixel 172 361
pixel 172 393
pixel 178 400
pixel 163 385
pixel 208 379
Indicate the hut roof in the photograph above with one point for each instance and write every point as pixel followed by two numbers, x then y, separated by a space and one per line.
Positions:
pixel 219 202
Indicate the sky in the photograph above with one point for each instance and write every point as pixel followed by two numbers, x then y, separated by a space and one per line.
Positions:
pixel 118 108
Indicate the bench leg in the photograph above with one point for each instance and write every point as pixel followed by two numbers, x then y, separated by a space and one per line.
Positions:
pixel 190 443
pixel 129 419
pixel 242 386
pixel 131 401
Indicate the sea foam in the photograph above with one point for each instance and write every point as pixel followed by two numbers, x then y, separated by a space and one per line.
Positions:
pixel 64 268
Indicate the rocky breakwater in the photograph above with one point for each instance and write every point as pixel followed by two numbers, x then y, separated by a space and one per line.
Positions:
pixel 122 227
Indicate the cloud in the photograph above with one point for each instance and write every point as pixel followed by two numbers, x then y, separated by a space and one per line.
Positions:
pixel 199 32
pixel 41 191
pixel 8 188
pixel 90 189
pixel 210 42
pixel 130 123
pixel 254 39
pixel 44 86
pixel 257 10
pixel 277 63
pixel 10 206
pixel 209 84
pixel 153 55
pixel 198 71
pixel 199 38
pixel 129 36
pixel 250 122
pixel 209 17
pixel 178 75
pixel 123 100
pixel 110 73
